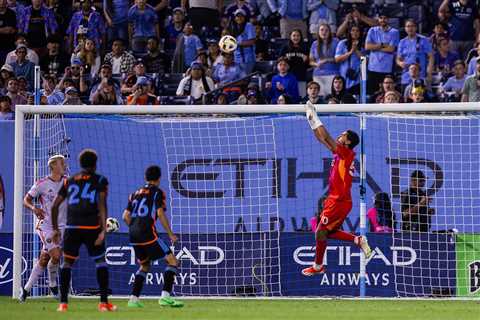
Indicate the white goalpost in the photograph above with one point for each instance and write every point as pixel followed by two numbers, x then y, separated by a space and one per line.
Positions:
pixel 242 182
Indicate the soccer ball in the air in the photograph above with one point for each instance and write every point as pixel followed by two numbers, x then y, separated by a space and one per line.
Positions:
pixel 112 225
pixel 227 44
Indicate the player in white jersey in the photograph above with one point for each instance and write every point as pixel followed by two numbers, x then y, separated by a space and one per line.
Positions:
pixel 46 190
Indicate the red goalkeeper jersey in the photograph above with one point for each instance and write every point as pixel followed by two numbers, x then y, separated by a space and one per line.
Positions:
pixel 341 174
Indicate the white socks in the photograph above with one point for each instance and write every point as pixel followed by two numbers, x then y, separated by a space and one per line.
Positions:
pixel 312 116
pixel 317 266
pixel 52 274
pixel 165 294
pixel 37 271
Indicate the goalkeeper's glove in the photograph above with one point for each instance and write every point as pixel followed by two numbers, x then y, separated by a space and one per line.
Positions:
pixel 312 116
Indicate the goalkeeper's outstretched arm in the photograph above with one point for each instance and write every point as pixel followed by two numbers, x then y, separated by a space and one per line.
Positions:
pixel 318 128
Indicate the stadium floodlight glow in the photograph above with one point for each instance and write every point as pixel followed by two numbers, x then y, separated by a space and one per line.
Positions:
pixel 227 175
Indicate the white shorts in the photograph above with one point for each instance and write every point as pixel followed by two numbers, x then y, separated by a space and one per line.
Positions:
pixel 46 236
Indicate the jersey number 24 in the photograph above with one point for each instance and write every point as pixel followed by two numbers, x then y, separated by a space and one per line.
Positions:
pixel 86 194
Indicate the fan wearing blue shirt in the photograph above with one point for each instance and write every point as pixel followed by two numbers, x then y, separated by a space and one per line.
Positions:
pixel 245 34
pixel 381 41
pixel 142 24
pixel 414 48
pixel 348 54
pixel 283 83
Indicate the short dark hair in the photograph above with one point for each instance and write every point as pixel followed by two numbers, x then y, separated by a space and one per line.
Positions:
pixel 313 83
pixel 122 42
pixel 153 173
pixel 283 59
pixel 353 137
pixel 6 99
pixel 417 174
pixel 88 159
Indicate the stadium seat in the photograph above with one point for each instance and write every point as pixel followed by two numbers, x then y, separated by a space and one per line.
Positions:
pixel 265 67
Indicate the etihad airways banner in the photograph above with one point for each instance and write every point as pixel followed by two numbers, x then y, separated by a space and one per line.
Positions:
pixel 234 264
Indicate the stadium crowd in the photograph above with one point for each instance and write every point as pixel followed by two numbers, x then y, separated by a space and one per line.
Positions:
pixel 149 52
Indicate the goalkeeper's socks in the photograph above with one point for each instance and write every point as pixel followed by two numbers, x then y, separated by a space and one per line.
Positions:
pixel 65 276
pixel 102 279
pixel 52 273
pixel 138 283
pixel 37 271
pixel 320 251
pixel 169 276
pixel 342 235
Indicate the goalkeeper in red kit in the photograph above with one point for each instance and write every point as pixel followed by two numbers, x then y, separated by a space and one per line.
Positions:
pixel 338 203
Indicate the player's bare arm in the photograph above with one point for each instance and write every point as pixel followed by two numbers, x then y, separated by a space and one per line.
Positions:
pixel 127 217
pixel 318 128
pixel 56 204
pixel 102 213
pixel 165 224
pixel 28 203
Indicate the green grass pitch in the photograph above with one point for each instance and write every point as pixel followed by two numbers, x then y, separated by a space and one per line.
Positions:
pixel 38 309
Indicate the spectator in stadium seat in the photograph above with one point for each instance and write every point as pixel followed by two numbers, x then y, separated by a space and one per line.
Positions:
pixel 12 93
pixel 261 45
pixel 322 58
pixel 38 23
pixel 254 94
pixel 228 71
pixel 464 23
pixel 347 55
pixel 174 28
pixel 16 7
pixel 414 73
pixel 313 90
pixel 188 46
pixel 417 95
pixel 239 4
pixel 444 59
pixel 339 92
pixel 391 97
pixel 451 90
pixel 89 56
pixel 155 61
pixel 89 20
pixel 142 24
pixel 472 64
pixel 22 67
pixel 388 84
pixel 196 83
pixel 116 18
pixel 381 41
pixel 244 33
pixel 6 112
pixel 355 18
pixel 440 30
pixel 283 83
pixel 105 93
pixel 50 94
pixel 284 99
pixel 381 217
pixel 416 213
pixel 414 48
pixel 213 53
pixel 320 13
pixel 138 71
pixel 72 97
pixel 122 62
pixel 76 73
pixel 296 52
pixel 293 14
pixel 32 56
pixel 471 87
pixel 8 28
pixel 55 61
pixel 6 73
pixel 141 94
pixel 105 75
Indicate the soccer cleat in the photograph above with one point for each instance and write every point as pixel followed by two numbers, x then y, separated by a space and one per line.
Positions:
pixel 54 291
pixel 23 295
pixel 135 304
pixel 106 306
pixel 363 244
pixel 170 302
pixel 62 307
pixel 311 271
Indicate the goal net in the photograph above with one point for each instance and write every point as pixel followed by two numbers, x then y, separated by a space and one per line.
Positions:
pixel 243 183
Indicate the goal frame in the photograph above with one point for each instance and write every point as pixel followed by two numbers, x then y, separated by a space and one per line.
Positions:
pixel 22 110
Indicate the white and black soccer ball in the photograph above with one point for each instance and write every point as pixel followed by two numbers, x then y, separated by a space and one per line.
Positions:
pixel 112 225
pixel 227 44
